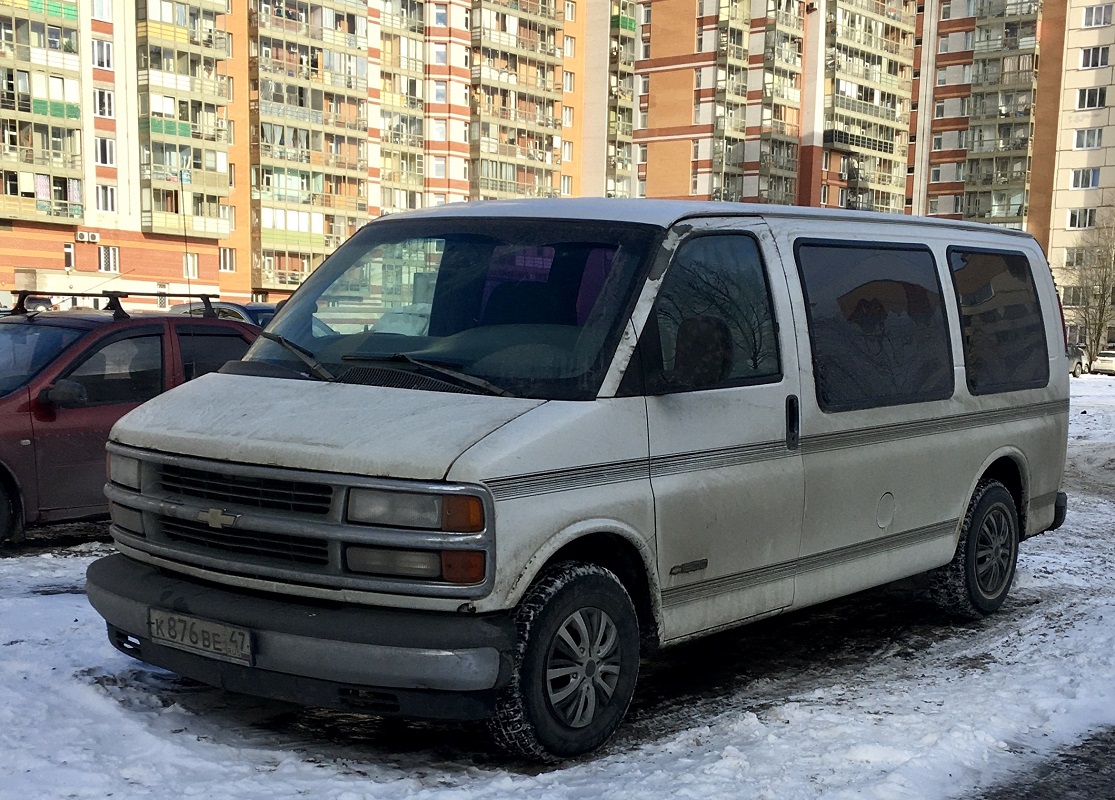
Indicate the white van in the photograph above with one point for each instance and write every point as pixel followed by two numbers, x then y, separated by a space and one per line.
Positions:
pixel 617 425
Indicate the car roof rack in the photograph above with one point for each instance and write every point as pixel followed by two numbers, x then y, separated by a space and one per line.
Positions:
pixel 113 300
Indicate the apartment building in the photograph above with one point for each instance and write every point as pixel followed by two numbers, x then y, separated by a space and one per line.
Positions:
pixel 115 156
pixel 1082 200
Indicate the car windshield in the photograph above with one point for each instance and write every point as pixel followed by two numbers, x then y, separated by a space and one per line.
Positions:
pixel 27 347
pixel 524 307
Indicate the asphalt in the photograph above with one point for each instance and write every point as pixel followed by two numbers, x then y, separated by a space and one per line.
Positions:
pixel 1084 772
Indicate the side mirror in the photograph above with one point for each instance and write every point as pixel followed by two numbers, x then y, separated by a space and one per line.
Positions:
pixel 64 394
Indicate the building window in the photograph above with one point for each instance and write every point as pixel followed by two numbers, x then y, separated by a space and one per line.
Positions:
pixel 567 116
pixel 1097 16
pixel 102 10
pixel 946 10
pixel 1076 256
pixel 566 185
pixel 1094 57
pixel 642 154
pixel 106 198
pixel 441 91
pixel 570 11
pixel 824 194
pixel 696 149
pixel 570 47
pixel 646 13
pixel 567 81
pixel 1080 218
pixel 938 141
pixel 441 15
pixel 438 130
pixel 939 109
pixel 640 188
pixel 102 54
pixel 437 167
pixel 68 255
pixel 104 152
pixel 935 173
pixel 943 44
pixel 566 150
pixel 693 182
pixel 104 103
pixel 1088 138
pixel 1095 97
pixel 642 119
pixel 1086 178
pixel 943 77
pixel 644 83
pixel 189 266
pixel 227 260
pixel 440 54
pixel 645 48
pixel 108 259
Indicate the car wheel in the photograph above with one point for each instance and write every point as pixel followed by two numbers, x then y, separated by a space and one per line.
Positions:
pixel 976 582
pixel 1076 371
pixel 576 663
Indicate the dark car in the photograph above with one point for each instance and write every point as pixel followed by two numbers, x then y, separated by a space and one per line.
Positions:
pixel 258 314
pixel 66 377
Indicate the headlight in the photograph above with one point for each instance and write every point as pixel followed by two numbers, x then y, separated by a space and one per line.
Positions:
pixel 123 470
pixel 456 513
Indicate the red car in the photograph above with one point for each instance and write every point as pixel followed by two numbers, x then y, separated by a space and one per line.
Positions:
pixel 67 376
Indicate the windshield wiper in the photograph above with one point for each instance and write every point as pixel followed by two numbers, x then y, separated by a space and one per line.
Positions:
pixel 304 355
pixel 457 375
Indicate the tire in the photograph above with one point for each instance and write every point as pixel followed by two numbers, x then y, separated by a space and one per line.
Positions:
pixel 1076 370
pixel 564 699
pixel 976 582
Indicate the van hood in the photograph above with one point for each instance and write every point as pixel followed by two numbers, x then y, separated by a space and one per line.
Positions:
pixel 329 427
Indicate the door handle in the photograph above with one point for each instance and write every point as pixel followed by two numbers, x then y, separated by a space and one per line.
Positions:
pixel 793 423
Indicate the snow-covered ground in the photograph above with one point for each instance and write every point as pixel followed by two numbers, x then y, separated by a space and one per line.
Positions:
pixel 876 697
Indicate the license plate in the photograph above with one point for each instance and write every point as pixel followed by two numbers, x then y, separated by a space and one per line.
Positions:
pixel 214 639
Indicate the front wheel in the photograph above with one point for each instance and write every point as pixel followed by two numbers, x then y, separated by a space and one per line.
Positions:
pixel 576 664
pixel 1076 370
pixel 976 582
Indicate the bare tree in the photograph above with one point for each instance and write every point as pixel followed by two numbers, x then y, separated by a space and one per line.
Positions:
pixel 1090 299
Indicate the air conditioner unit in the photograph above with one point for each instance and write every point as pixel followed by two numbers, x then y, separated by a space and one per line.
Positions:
pixel 81 236
pixel 843 176
pixel 94 237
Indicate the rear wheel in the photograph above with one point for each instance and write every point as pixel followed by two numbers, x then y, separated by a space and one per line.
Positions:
pixel 1077 370
pixel 575 666
pixel 976 582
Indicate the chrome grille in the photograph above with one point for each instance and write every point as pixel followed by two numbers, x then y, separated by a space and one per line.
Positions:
pixel 278 546
pixel 244 490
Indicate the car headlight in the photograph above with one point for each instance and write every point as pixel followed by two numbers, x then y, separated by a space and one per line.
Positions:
pixel 123 470
pixel 454 513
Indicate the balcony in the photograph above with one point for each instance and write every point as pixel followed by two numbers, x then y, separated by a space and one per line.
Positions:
pixel 783 56
pixel 56 159
pixel 892 11
pixel 291 68
pixel 534 8
pixel 332 119
pixel 35 209
pixel 771 163
pixel 537 119
pixel 535 155
pixel 307 198
pixel 403 22
pixel 1005 43
pixel 287 28
pixel 789 94
pixel 532 83
pixel 487 37
pixel 1019 79
pixel 515 188
pixel 1005 8
pixel 1014 144
pixel 863 109
pixel 870 41
pixel 867 72
pixel 411 178
pixel 779 127
pixel 183 224
pixel 215 88
pixel 793 22
pixel 204 179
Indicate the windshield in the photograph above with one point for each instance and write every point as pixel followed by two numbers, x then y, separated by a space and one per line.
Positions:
pixel 524 307
pixel 25 348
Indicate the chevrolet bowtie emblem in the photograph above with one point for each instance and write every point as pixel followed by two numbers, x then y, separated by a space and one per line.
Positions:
pixel 217 518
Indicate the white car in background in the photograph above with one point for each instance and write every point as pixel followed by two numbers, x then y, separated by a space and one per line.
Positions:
pixel 1104 363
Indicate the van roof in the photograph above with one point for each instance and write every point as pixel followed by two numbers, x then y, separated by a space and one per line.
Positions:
pixel 664 213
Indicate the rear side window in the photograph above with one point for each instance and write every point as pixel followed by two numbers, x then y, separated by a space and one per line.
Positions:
pixel 208 352
pixel 876 324
pixel 1000 317
pixel 714 320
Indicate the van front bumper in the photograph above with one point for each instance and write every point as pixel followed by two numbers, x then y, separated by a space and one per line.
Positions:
pixel 374 660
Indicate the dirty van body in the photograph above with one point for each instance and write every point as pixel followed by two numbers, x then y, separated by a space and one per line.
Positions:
pixel 606 426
